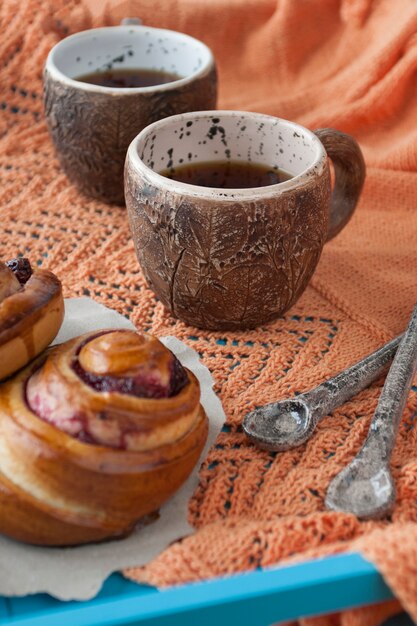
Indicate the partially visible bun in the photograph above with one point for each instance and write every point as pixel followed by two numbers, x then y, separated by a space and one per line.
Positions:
pixel 31 313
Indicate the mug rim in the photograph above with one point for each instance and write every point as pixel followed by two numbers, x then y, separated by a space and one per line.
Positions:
pixel 57 74
pixel 221 193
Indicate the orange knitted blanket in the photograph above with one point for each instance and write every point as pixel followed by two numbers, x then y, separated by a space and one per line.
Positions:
pixel 350 64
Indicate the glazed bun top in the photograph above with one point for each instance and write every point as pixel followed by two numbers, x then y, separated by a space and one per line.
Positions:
pixel 115 388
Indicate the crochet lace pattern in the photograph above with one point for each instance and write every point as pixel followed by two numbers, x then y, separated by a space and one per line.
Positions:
pixel 253 508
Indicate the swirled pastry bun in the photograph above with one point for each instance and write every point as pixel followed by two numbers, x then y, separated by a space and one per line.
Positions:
pixel 96 434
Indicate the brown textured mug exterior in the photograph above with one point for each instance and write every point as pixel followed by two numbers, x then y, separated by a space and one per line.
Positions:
pixel 233 259
pixel 92 126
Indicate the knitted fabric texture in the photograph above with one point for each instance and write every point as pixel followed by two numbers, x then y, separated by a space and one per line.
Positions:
pixel 347 64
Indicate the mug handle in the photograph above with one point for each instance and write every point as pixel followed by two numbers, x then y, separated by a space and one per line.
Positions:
pixel 349 167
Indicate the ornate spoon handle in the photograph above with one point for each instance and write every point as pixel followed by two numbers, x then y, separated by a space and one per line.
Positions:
pixel 387 418
pixel 337 390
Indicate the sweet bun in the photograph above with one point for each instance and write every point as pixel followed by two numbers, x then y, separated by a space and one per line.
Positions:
pixel 95 435
pixel 31 313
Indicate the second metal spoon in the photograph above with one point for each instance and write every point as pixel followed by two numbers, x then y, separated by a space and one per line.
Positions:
pixel 289 423
pixel 366 487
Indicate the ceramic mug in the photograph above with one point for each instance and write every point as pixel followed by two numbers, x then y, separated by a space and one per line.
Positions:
pixel 236 258
pixel 92 125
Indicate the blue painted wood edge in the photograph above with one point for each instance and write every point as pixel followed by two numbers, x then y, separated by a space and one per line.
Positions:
pixel 253 599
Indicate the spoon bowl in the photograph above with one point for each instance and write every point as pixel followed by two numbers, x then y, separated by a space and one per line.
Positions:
pixel 364 489
pixel 281 425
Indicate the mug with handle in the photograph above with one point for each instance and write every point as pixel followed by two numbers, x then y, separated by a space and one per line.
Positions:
pixel 228 259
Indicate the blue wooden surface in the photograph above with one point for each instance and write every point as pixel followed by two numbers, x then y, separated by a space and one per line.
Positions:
pixel 254 599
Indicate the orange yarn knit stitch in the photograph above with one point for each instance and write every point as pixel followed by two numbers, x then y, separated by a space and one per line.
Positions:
pixel 349 64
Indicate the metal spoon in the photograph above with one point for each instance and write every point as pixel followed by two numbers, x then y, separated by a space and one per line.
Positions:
pixel 365 487
pixel 286 424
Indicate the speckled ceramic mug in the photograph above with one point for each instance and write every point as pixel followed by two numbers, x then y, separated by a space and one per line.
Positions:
pixel 236 258
pixel 92 125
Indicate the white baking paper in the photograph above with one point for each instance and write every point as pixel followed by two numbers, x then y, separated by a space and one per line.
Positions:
pixel 78 573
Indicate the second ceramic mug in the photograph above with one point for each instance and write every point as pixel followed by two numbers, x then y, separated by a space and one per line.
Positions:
pixel 236 258
pixel 92 125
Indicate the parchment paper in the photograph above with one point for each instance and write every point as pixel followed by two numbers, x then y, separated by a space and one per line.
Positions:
pixel 78 573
